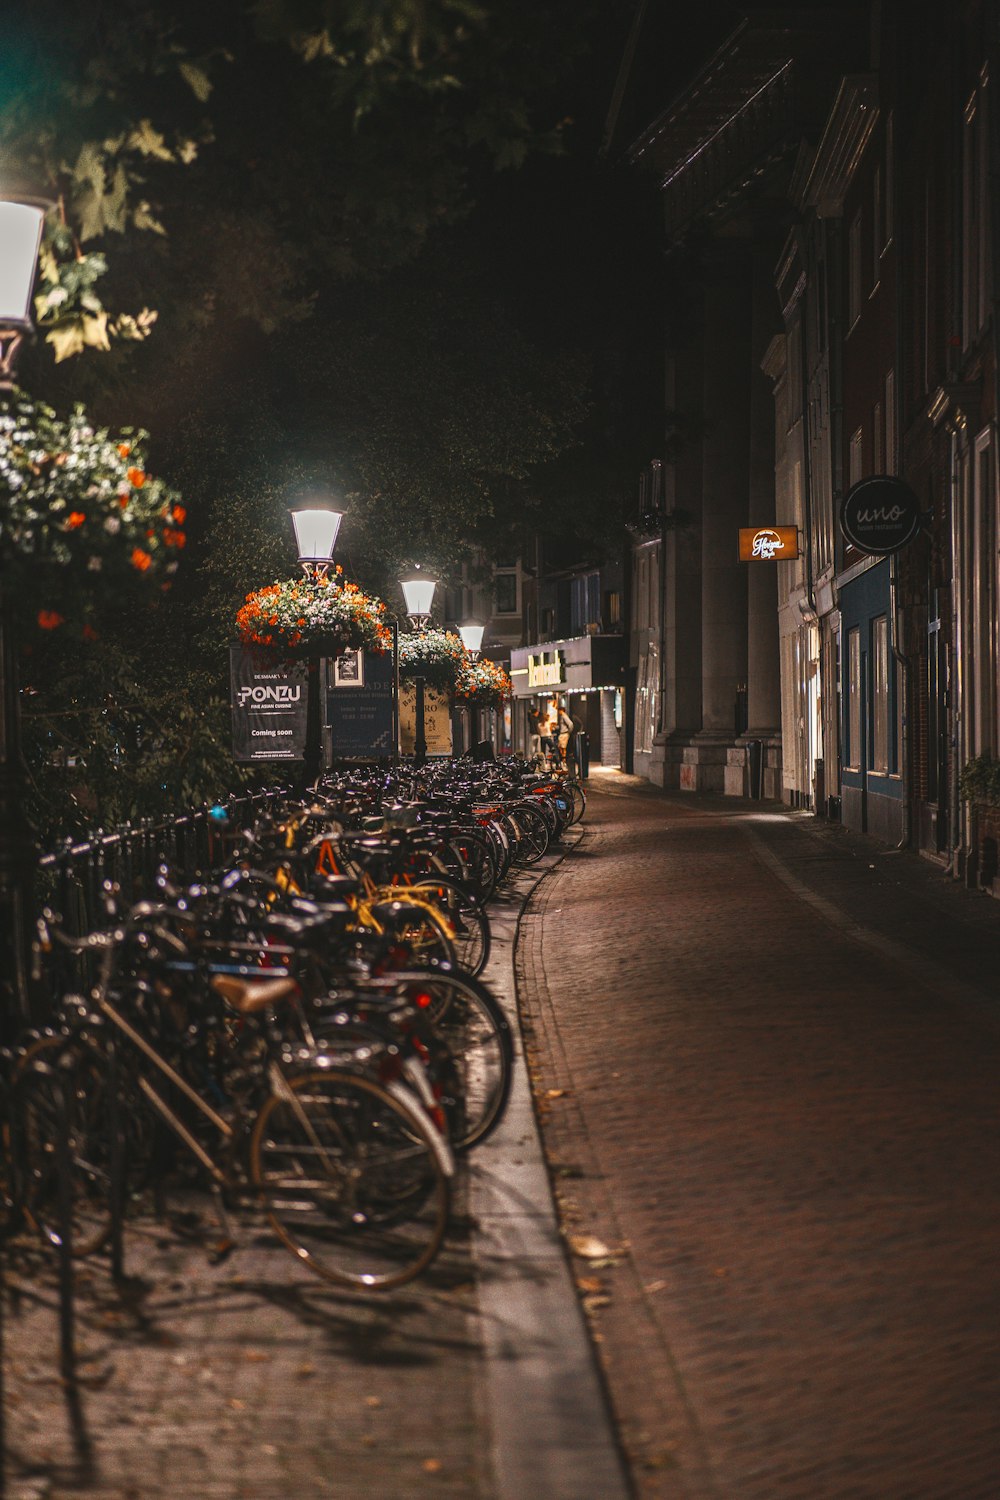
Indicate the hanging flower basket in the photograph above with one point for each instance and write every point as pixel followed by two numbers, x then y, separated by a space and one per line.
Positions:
pixel 437 656
pixel 483 682
pixel 309 617
pixel 81 515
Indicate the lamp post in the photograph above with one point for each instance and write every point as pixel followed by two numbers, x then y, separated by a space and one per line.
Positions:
pixel 316 529
pixel 21 221
pixel 418 595
pixel 472 640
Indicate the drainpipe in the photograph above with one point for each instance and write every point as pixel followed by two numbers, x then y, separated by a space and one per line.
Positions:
pixel 903 666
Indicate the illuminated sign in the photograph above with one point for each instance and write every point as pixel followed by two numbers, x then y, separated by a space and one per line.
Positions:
pixel 768 543
pixel 547 670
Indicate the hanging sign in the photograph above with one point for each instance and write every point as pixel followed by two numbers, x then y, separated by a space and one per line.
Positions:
pixel 268 707
pixel 360 708
pixel 768 543
pixel 437 720
pixel 880 514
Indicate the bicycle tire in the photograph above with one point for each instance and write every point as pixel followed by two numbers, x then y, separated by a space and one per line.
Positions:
pixel 472 938
pixel 332 1154
pixel 472 1024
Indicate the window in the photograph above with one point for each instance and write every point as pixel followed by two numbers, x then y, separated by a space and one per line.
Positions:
pixel 876 227
pixel 889 182
pixel 878 457
pixel 585 602
pixel 890 423
pixel 854 699
pixel 855 458
pixel 612 610
pixel 975 215
pixel 880 695
pixel 854 273
pixel 505 593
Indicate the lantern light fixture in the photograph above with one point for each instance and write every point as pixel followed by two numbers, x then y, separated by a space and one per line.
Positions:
pixel 316 530
pixel 418 594
pixel 472 638
pixel 21 222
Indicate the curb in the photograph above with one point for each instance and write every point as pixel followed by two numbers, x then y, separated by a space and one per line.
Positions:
pixel 551 1431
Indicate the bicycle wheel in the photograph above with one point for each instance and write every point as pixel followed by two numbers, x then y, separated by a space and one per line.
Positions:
pixel 472 1025
pixel 533 840
pixel 470 924
pixel 351 1178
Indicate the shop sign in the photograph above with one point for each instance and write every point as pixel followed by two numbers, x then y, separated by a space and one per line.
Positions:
pixel 880 514
pixel 547 670
pixel 268 707
pixel 768 543
pixel 437 720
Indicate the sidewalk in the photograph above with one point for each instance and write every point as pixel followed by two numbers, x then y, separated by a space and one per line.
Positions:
pixel 255 1381
pixel 766 1054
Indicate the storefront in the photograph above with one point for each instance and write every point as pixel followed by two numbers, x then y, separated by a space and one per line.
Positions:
pixel 586 675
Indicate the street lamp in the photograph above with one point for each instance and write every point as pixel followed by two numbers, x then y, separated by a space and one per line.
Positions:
pixel 472 638
pixel 418 595
pixel 316 529
pixel 21 220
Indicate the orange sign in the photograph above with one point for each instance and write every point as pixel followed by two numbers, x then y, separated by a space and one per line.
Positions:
pixel 768 543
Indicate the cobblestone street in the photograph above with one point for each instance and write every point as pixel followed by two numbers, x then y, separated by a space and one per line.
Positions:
pixel 767 1059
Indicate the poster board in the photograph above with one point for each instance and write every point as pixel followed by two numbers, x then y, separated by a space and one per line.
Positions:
pixel 268 704
pixel 437 720
pixel 360 706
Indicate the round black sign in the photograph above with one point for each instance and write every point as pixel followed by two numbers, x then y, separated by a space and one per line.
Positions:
pixel 879 515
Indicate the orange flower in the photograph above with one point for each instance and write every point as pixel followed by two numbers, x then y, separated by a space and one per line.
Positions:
pixel 136 477
pixel 89 633
pixel 140 559
pixel 124 449
pixel 173 538
pixel 49 620
pixel 74 519
pixel 123 498
pixel 180 514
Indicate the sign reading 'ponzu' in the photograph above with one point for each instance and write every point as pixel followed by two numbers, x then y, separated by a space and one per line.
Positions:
pixel 768 543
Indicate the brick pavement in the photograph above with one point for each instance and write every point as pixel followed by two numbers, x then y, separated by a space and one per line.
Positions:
pixel 251 1380
pixel 763 1094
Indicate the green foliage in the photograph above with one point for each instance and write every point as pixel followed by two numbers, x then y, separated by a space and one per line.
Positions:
pixel 980 781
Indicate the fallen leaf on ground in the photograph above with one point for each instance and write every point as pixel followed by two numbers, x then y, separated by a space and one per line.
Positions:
pixel 590 1284
pixel 588 1247
pixel 556 1093
pixel 431 1465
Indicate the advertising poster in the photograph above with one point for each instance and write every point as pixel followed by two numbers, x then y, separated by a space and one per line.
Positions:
pixel 437 720
pixel 268 707
pixel 360 706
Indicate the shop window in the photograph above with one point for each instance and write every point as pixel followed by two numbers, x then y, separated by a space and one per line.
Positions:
pixel 854 699
pixel 880 695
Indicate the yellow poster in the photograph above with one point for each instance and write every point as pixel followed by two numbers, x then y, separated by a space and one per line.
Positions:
pixel 437 720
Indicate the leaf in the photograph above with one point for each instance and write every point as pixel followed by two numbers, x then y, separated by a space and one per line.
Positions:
pixel 142 218
pixel 95 330
pixel 147 139
pixel 588 1247
pixel 66 339
pixel 197 80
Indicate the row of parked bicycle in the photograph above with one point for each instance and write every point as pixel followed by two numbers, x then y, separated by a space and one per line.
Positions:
pixel 305 1027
